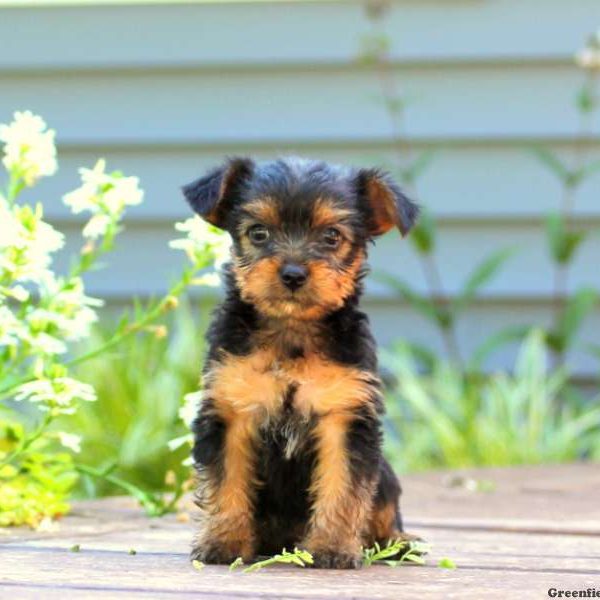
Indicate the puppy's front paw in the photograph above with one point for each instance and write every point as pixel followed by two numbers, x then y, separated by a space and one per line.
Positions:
pixel 221 541
pixel 216 553
pixel 334 559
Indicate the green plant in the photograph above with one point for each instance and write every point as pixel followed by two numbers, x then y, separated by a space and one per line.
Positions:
pixel 565 235
pixel 409 551
pixel 300 558
pixel 449 419
pixel 129 432
pixel 44 314
pixel 410 166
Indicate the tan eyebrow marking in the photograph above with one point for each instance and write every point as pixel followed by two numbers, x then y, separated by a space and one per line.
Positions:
pixel 265 210
pixel 326 213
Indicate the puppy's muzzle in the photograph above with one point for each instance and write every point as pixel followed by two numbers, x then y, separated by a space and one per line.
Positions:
pixel 293 276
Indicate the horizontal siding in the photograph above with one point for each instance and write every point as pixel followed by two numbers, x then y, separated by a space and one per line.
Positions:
pixel 164 91
pixel 282 33
pixel 301 104
pixel 465 183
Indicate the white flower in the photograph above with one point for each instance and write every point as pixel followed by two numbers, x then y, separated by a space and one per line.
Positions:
pixel 208 280
pixel 177 442
pixel 19 293
pixel 105 194
pixel 65 310
pixel 203 239
pixel 29 149
pixel 11 328
pixel 190 407
pixel 124 191
pixel 26 242
pixel 59 393
pixel 69 440
pixel 187 413
pixel 9 226
pixel 96 227
pixel 589 56
pixel 44 343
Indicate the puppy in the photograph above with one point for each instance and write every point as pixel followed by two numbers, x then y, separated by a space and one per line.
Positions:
pixel 288 437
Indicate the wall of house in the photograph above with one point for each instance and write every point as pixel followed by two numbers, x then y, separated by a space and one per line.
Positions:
pixel 165 90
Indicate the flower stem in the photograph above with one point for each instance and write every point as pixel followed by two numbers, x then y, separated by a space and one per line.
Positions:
pixel 28 441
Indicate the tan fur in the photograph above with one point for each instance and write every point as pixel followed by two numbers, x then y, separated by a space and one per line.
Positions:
pixel 228 506
pixel 382 204
pixel 340 509
pixel 265 211
pixel 255 385
pixel 326 213
pixel 326 289
pixel 382 525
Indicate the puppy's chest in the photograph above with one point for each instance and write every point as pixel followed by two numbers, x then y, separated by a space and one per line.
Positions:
pixel 275 389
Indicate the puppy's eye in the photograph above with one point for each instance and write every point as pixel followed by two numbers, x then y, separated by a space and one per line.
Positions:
pixel 258 234
pixel 332 237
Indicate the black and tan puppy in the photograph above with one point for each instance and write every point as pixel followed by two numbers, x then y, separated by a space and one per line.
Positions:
pixel 288 437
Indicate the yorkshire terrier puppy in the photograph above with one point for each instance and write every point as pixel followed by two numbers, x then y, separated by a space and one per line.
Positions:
pixel 288 436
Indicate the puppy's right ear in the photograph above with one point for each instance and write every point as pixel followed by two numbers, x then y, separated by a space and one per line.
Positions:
pixel 213 195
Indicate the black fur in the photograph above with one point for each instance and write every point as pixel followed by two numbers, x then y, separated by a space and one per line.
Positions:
pixel 282 502
pixel 212 196
pixel 233 323
pixel 364 446
pixel 209 435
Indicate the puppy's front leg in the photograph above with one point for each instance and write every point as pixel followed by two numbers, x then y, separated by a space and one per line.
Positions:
pixel 224 456
pixel 342 494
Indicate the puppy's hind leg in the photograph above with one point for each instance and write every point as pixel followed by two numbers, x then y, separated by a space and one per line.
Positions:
pixel 385 524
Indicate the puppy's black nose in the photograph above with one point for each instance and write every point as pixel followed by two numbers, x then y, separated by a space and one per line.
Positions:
pixel 293 276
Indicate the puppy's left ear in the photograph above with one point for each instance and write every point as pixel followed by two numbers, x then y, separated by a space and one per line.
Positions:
pixel 212 195
pixel 386 206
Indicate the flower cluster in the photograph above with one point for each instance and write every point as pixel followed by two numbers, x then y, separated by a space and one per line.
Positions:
pixel 58 394
pixel 27 243
pixel 204 245
pixel 29 151
pixel 105 196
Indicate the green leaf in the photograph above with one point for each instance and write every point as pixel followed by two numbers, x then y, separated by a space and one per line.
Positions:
pixel 480 276
pixel 297 557
pixel 495 341
pixel 412 551
pixel 586 99
pixel 416 169
pixel 577 309
pixel 562 242
pixel 554 164
pixel 373 48
pixel 589 169
pixel 413 558
pixel 423 234
pixel 420 303
pixel 594 350
pixel 423 355
pixel 238 562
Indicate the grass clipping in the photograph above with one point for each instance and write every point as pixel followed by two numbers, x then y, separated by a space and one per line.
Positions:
pixel 408 552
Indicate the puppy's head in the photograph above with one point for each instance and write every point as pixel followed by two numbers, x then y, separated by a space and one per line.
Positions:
pixel 300 228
